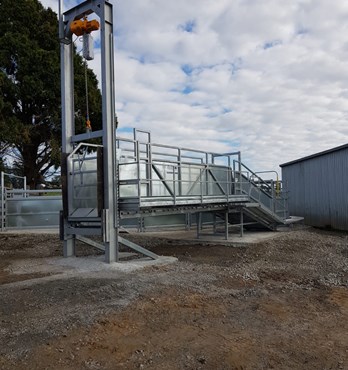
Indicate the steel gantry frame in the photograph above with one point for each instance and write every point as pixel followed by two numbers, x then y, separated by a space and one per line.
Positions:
pixel 109 223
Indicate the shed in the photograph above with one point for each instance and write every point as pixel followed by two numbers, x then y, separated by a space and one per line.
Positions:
pixel 317 188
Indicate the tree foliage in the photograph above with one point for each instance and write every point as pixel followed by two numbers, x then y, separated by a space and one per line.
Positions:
pixel 30 126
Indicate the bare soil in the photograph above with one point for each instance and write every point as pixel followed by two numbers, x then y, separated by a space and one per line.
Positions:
pixel 279 304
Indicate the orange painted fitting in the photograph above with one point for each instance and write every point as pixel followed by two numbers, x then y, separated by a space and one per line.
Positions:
pixel 88 125
pixel 82 26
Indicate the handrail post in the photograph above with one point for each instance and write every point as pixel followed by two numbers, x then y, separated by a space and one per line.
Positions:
pixel 2 201
pixel 25 186
pixel 228 184
pixel 240 161
pixel 137 154
pixel 174 185
pixel 179 173
pixel 206 180
pixel 273 197
pixel 234 178
pixel 240 178
pixel 201 183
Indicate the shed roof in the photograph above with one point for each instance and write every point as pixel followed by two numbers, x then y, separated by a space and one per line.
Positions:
pixel 337 148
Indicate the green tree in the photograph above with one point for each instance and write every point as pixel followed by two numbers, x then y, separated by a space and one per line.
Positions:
pixel 30 126
pixel 2 165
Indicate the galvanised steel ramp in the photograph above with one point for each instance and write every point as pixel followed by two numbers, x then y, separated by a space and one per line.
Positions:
pixel 160 179
pixel 156 180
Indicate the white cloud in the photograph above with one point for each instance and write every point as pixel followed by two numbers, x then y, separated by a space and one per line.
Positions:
pixel 269 78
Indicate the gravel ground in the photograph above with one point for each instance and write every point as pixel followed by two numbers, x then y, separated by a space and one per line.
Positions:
pixel 278 304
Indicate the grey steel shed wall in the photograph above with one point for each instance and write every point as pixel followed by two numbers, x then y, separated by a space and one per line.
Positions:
pixel 318 189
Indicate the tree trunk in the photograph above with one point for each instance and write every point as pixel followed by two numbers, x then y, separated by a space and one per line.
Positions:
pixel 30 167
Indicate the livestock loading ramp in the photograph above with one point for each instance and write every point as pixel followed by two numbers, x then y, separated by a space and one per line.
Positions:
pixel 156 180
pixel 127 178
pixel 159 179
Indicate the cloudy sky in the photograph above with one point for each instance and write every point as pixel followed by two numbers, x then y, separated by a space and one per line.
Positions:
pixel 269 78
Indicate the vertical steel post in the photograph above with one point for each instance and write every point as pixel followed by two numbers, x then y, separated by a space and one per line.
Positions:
pixel 188 221
pixel 240 173
pixel 229 170
pixel 214 223
pixel 273 197
pixel 150 166
pixel 206 174
pixel 199 222
pixel 137 155
pixel 25 186
pixel 240 161
pixel 174 185
pixel 109 130
pixel 234 178
pixel 68 128
pixel 180 187
pixel 201 183
pixel 2 201
pixel 60 18
pixel 241 223
pixel 226 224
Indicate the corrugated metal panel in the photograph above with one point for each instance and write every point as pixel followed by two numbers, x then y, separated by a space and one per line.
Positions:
pixel 318 189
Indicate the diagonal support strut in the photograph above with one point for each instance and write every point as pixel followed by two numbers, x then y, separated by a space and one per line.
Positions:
pixel 137 248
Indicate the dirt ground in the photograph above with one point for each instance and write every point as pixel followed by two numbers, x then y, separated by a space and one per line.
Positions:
pixel 278 304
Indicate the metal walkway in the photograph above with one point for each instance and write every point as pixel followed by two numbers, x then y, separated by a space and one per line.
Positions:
pixel 159 179
pixel 156 179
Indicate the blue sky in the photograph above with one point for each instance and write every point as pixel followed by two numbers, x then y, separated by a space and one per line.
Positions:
pixel 269 78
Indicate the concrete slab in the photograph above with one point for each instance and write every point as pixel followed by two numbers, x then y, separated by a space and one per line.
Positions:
pixel 189 236
pixel 60 267
pixel 207 236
